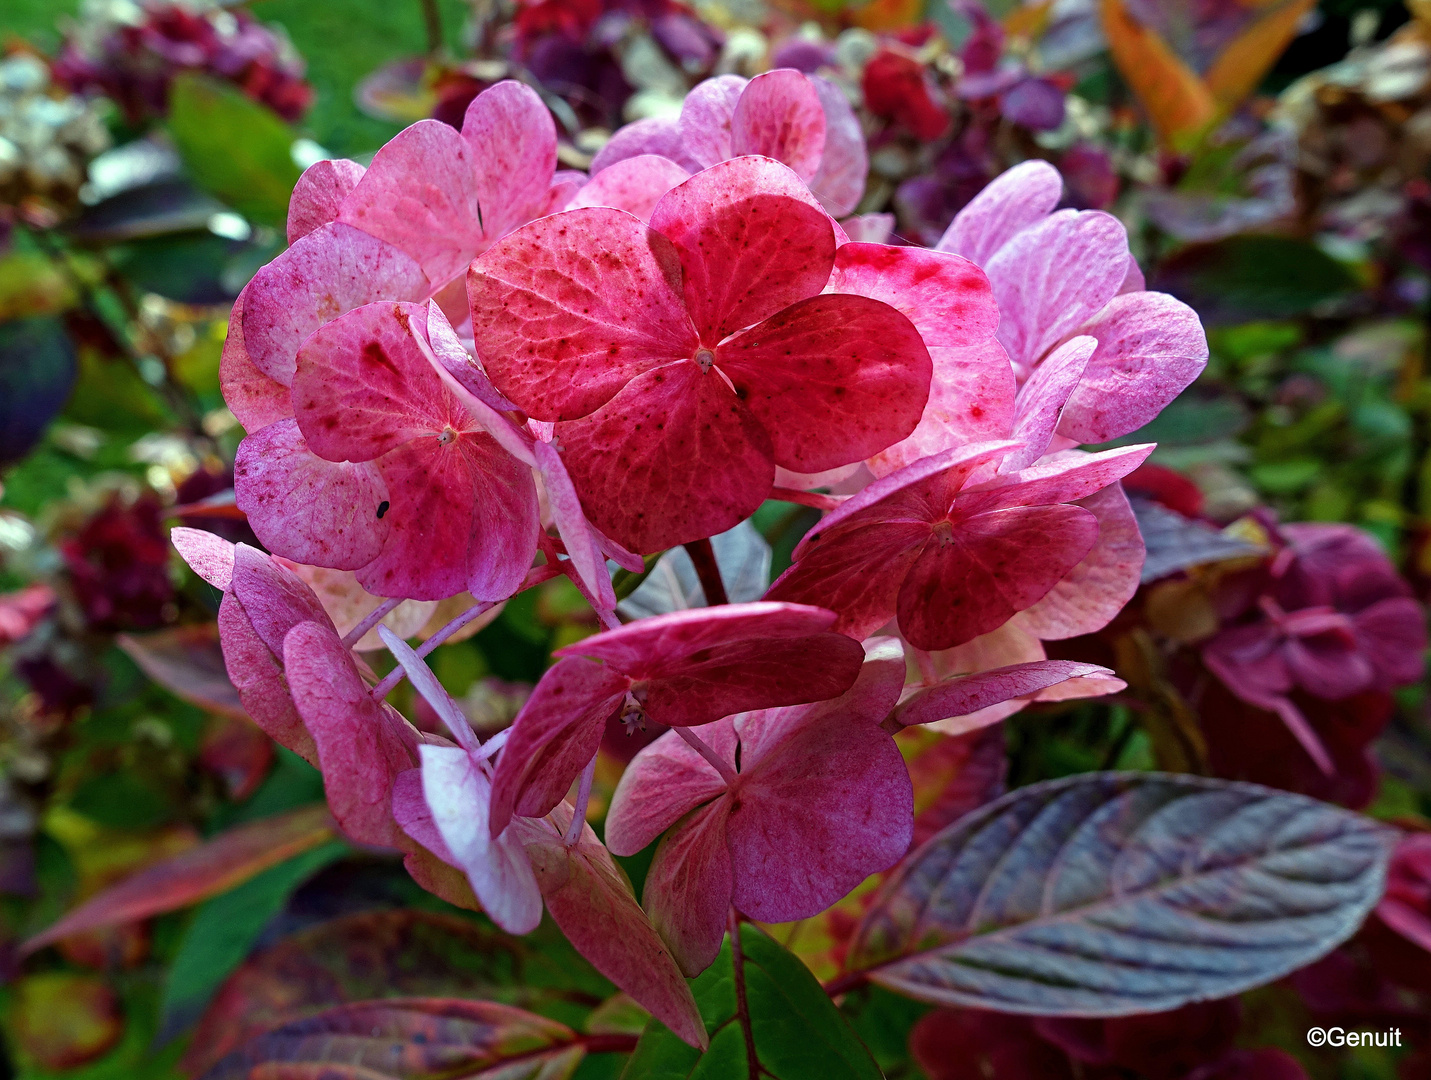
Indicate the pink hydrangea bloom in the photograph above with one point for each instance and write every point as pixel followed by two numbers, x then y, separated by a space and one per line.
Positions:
pixel 683 361
pixel 803 121
pixel 953 558
pixel 682 669
pixel 809 801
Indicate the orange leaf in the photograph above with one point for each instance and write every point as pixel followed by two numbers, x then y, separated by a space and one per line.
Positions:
pixel 1240 67
pixel 1177 102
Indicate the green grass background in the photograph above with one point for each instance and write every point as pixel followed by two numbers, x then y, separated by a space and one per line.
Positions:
pixel 342 40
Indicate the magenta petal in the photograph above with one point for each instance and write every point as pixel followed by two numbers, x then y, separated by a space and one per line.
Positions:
pixel 274 599
pixel 991 567
pixel 1053 277
pixel 839 183
pixel 319 194
pixel 208 555
pixel 363 745
pixel 1393 633
pixel 674 457
pixel 946 297
pixel 513 143
pixel 255 399
pixel 457 792
pixel 420 195
pixel 751 240
pixel 966 694
pixel 1095 590
pixel 652 135
pixel 665 781
pixel 259 680
pixel 569 309
pixel 971 400
pixel 634 184
pixel 779 115
pixel 553 737
pixel 581 543
pixel 688 887
pixel 706 115
pixel 304 508
pixel 1150 348
pixel 1042 398
pixel 834 379
pixel 331 270
pixel 1014 200
pixel 1066 476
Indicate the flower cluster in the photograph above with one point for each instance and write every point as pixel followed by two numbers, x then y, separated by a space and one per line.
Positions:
pixel 47 139
pixel 471 373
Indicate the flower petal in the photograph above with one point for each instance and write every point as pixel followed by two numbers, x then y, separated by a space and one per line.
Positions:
pixel 779 115
pixel 319 194
pixel 688 887
pixel 513 143
pixel 255 399
pixel 706 115
pixel 839 183
pixel 665 781
pixel 651 135
pixel 633 184
pixel 1042 398
pixel 947 298
pixel 967 694
pixel 1012 202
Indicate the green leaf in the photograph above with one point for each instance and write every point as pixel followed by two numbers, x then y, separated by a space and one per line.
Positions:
pixel 224 931
pixel 796 1031
pixel 235 148
pixel 37 372
pixel 1253 277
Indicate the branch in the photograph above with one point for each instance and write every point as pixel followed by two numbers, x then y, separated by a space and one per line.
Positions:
pixel 703 557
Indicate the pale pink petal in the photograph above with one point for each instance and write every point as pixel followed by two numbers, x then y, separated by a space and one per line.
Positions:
pixel 1133 280
pixel 946 297
pixel 1094 684
pixel 454 358
pixel 331 270
pixel 1011 203
pixel 258 678
pixel 1042 398
pixel 705 123
pixel 1052 278
pixel 1095 590
pixel 688 887
pixel 868 229
pixel 1066 476
pixel 751 240
pixel 553 737
pixel 457 793
pixel 348 603
pixel 1008 645
pixel 990 567
pixel 971 400
pixel 569 309
pixel 513 143
pixel 590 899
pixel 634 184
pixel 969 694
pixel 255 399
pixel 422 680
pixel 664 782
pixel 209 556
pixel 319 194
pixel 674 457
pixel 565 184
pixel 779 115
pixel 1150 348
pixel 839 183
pixel 581 544
pixel 363 745
pixel 421 195
pixel 834 379
pixel 652 135
pixel 307 509
pixel 411 812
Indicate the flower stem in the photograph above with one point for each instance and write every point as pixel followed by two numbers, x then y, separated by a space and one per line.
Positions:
pixel 583 796
pixel 370 620
pixel 708 571
pixel 700 746
pixel 807 498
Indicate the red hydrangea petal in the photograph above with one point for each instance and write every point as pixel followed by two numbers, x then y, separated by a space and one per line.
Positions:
pixel 363 745
pixel 258 678
pixel 319 194
pixel 994 566
pixel 553 737
pixel 839 183
pixel 947 298
pixel 779 115
pixel 569 309
pixel 420 195
pixel 1012 202
pixel 971 400
pixel 634 184
pixel 582 545
pixel 834 379
pixel 1041 401
pixel 305 508
pixel 331 270
pixel 513 143
pixel 255 399
pixel 208 555
pixel 1066 476
pixel 751 240
pixel 1095 590
pixel 968 694
pixel 665 781
pixel 706 115
pixel 651 135
pixel 688 887
pixel 673 457
pixel 1150 348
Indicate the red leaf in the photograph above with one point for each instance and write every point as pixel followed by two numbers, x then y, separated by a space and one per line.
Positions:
pixel 187 662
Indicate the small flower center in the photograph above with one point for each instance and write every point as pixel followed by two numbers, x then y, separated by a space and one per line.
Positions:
pixel 449 435
pixel 705 358
pixel 633 716
pixel 944 533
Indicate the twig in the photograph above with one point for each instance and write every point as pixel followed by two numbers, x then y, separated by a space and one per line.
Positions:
pixel 700 746
pixel 583 796
pixel 370 620
pixel 742 1006
pixel 708 571
pixel 432 20
pixel 807 498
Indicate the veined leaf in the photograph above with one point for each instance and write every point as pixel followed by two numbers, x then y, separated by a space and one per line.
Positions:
pixel 1114 893
pixel 1177 102
pixel 213 867
pixel 766 1016
pixel 187 661
pixel 411 1039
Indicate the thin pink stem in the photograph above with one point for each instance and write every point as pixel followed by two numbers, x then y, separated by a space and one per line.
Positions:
pixel 925 663
pixel 355 635
pixel 700 746
pixel 583 796
pixel 807 498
